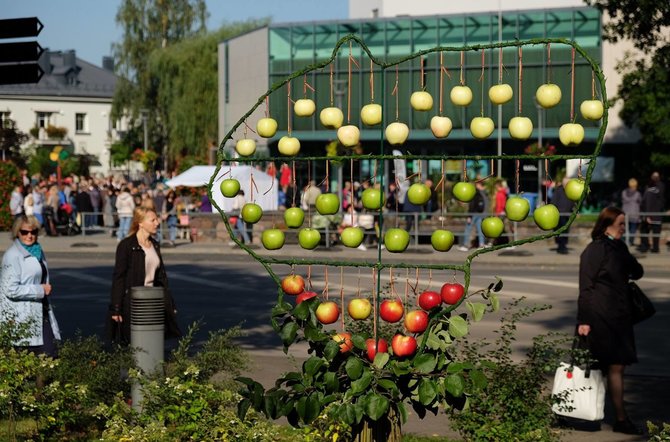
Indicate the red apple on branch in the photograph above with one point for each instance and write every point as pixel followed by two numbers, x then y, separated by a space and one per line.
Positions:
pixel 452 292
pixel 293 284
pixel 376 347
pixel 391 310
pixel 416 321
pixel 304 296
pixel 344 339
pixel 403 345
pixel 429 300
pixel 327 312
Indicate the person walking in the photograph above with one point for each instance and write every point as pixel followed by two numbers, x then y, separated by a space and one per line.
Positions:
pixel 603 309
pixel 476 208
pixel 169 213
pixel 16 202
pixel 138 263
pixel 240 226
pixel 565 207
pixel 653 201
pixel 630 204
pixel 25 290
pixel 125 205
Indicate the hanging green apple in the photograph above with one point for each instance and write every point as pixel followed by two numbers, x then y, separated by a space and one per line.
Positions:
pixel 520 128
pixel 440 126
pixel 548 95
pixel 348 135
pixel 500 93
pixel 421 101
pixel 371 114
pixel 372 199
pixel 251 213
pixel 461 95
pixel 517 208
pixel 229 187
pixel 289 146
pixel 245 147
pixel 396 240
pixel 546 217
pixel 327 204
pixel 592 109
pixel 272 239
pixel 418 194
pixel 304 107
pixel 571 134
pixel 442 240
pixel 481 127
pixel 266 127
pixel 352 236
pixel 309 238
pixel 396 133
pixel 294 217
pixel 464 191
pixel 492 227
pixel 574 189
pixel 331 117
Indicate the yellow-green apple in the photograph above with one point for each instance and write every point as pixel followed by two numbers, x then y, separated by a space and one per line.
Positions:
pixel 481 127
pixel 309 238
pixel 391 310
pixel 327 204
pixel 344 339
pixel 396 240
pixel 396 133
pixel 440 126
pixel 571 134
pixel 520 128
pixel 288 146
pixel 419 194
pixel 331 117
pixel 548 95
pixel 304 296
pixel 251 213
pixel 421 101
pixel 517 208
pixel 452 292
pixel 375 347
pixel 293 284
pixel 273 239
pixel 245 147
pixel 592 109
pixel 359 308
pixel 403 345
pixel 371 114
pixel 442 240
pixel 461 95
pixel 575 188
pixel 429 299
pixel 464 191
pixel 266 127
pixel 416 321
pixel 304 107
pixel 348 135
pixel 546 217
pixel 492 227
pixel 500 93
pixel 372 199
pixel 352 236
pixel 327 312
pixel 294 217
pixel 229 187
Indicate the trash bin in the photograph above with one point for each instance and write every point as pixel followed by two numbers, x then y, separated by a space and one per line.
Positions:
pixel 147 328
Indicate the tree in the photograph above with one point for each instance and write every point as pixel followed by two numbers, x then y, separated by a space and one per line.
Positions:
pixel 11 140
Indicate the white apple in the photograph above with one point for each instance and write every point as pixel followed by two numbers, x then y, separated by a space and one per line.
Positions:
pixel 245 147
pixel 331 117
pixel 266 127
pixel 371 114
pixel 421 101
pixel 481 127
pixel 520 128
pixel 440 126
pixel 592 109
pixel 288 145
pixel 461 95
pixel 500 93
pixel 548 95
pixel 397 133
pixel 348 135
pixel 304 107
pixel 571 134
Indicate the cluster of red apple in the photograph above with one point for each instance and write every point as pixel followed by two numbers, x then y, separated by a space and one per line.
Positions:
pixel 390 310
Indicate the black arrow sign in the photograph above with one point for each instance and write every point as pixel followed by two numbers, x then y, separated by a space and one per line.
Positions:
pixel 20 73
pixel 20 27
pixel 18 52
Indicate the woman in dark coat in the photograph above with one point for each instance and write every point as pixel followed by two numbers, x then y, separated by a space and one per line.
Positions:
pixel 603 314
pixel 138 263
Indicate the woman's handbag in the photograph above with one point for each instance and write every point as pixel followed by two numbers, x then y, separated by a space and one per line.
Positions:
pixel 641 307
pixel 580 392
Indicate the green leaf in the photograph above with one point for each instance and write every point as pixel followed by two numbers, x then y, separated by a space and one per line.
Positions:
pixel 401 368
pixel 389 385
pixel 403 412
pixel 498 286
pixel 301 311
pixel 331 350
pixel 458 327
pixel 270 406
pixel 425 363
pixel 455 385
pixel 347 414
pixel 288 333
pixel 478 379
pixel 381 359
pixel 433 342
pixel 354 367
pixel 359 342
pixel 376 406
pixel 427 391
pixel 495 303
pixel 242 408
pixel 455 367
pixel 256 396
pixel 476 309
pixel 309 408
pixel 331 382
pixel 312 365
pixel 360 385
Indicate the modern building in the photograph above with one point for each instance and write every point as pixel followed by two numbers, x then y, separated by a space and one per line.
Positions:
pixel 392 29
pixel 70 106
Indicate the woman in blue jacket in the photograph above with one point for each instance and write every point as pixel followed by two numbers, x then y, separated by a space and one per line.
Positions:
pixel 25 290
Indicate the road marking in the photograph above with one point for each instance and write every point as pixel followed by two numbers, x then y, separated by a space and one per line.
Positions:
pixel 654 280
pixel 551 282
pixel 196 280
pixel 85 277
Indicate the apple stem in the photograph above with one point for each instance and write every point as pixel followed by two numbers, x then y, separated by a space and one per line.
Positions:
pixel 593 85
pixel 421 83
pixel 572 87
pixel 331 85
pixel 325 276
pixel 288 109
pixel 406 285
pixel 462 67
pixel 549 62
pixel 500 65
pixel 395 92
pixel 520 77
pixel 372 82
pixel 309 277
pixel 439 112
pixel 516 175
pixel 481 79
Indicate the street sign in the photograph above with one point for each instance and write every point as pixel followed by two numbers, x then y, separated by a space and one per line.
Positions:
pixel 20 73
pixel 18 60
pixel 19 52
pixel 20 27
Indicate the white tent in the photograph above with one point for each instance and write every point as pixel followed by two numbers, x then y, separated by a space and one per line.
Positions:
pixel 198 176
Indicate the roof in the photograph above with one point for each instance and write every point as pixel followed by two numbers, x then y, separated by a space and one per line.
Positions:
pixel 65 75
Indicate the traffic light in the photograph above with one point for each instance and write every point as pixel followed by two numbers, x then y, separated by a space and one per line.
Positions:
pixel 18 60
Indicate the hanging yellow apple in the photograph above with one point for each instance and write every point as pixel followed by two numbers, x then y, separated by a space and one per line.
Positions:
pixel 348 135
pixel 288 146
pixel 520 128
pixel 571 134
pixel 331 117
pixel 548 95
pixel 421 101
pixel 397 133
pixel 481 127
pixel 304 107
pixel 245 147
pixel 592 109
pixel 440 126
pixel 266 127
pixel 371 114
pixel 461 95
pixel 500 93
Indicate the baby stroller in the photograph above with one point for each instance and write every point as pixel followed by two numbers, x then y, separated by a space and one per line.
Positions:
pixel 60 223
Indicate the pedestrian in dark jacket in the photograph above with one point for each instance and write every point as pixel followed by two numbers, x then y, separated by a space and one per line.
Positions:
pixel 653 201
pixel 138 263
pixel 603 313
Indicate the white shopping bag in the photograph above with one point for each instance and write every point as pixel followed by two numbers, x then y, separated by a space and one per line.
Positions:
pixel 583 393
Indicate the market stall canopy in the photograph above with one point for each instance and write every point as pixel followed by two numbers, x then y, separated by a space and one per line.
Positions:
pixel 264 193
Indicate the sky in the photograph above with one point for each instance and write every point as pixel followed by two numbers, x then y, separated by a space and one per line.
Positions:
pixel 89 26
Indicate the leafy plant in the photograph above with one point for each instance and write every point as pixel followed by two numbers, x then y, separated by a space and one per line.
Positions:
pixel 658 434
pixel 56 132
pixel 9 178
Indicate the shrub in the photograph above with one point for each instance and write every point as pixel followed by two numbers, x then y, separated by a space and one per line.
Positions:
pixel 9 178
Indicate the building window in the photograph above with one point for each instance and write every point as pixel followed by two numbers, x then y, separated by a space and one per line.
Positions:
pixel 81 123
pixel 43 119
pixel 4 119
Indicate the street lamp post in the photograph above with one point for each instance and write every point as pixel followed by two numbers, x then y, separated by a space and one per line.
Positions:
pixel 144 113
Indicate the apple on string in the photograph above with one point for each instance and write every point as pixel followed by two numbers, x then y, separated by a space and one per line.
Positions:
pixel 548 95
pixel 348 135
pixel 251 213
pixel 492 227
pixel 500 93
pixel 391 310
pixel 440 126
pixel 481 127
pixel 293 284
pixel 571 134
pixel 245 147
pixel 372 199
pixel 592 110
pixel 305 296
pixel 304 107
pixel 574 188
pixel 396 240
pixel 396 133
pixel 372 348
pixel 403 346
pixel 266 127
pixel 371 114
pixel 464 191
pixel 344 339
pixel 294 217
pixel 229 187
pixel 546 217
pixel 520 128
pixel 359 309
pixel 419 194
pixel 273 239
pixel 331 117
pixel 429 299
pixel 289 146
pixel 517 208
pixel 327 312
pixel 327 204
pixel 452 292
pixel 461 95
pixel 309 238
pixel 416 321
pixel 442 240
pixel 352 236
pixel 421 101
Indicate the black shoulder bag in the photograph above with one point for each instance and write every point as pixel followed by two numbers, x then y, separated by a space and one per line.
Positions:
pixel 641 307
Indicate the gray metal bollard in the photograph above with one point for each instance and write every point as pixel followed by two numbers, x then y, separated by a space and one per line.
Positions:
pixel 147 325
